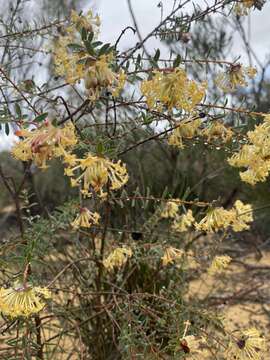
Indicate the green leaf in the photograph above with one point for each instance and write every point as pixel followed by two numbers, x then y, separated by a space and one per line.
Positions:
pixel 127 65
pixel 18 110
pixel 96 44
pixel 103 49
pixel 89 48
pixel 100 149
pixel 75 47
pixel 54 122
pixel 41 117
pixel 7 129
pixel 177 61
pixel 157 55
pixel 90 37
pixel 84 34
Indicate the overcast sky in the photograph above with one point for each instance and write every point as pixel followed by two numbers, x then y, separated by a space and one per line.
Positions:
pixel 115 17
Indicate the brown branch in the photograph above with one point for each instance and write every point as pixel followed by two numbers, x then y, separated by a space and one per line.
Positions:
pixel 18 90
pixel 38 325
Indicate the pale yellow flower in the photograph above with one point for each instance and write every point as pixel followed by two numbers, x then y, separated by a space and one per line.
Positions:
pixel 249 345
pixel 170 255
pixel 44 143
pixel 219 264
pixel 85 219
pixel 186 130
pixel 235 75
pixel 238 217
pixel 215 219
pixel 96 172
pixel 170 210
pixel 90 21
pixel 217 131
pixel 22 300
pixel 68 62
pixel 99 76
pixel 183 222
pixel 117 258
pixel 243 7
pixel 76 64
pixel 172 89
pixel 254 156
pixel 244 216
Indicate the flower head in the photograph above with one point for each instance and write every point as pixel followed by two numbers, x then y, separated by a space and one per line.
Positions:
pixel 170 255
pixel 22 300
pixel 238 217
pixel 85 219
pixel 215 219
pixel 73 61
pixel 170 210
pixel 254 156
pixel 235 75
pixel 44 143
pixel 244 216
pixel 117 258
pixel 219 264
pixel 96 172
pixel 217 131
pixel 249 345
pixel 183 222
pixel 172 89
pixel 186 130
pixel 99 75
pixel 243 7
pixel 68 62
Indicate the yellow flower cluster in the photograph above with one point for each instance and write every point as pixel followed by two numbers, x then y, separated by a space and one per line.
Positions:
pixel 67 62
pixel 96 172
pixel 218 218
pixel 89 22
pixel 242 7
pixel 117 258
pixel 181 222
pixel 255 156
pixel 22 300
pixel 186 130
pixel 189 128
pixel 172 89
pixel 44 143
pixel 244 216
pixel 170 210
pixel 236 75
pixel 85 219
pixel 250 345
pixel 99 76
pixel 217 131
pixel 219 264
pixel 77 65
pixel 170 255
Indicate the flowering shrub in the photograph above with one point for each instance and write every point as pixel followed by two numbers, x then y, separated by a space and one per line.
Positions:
pixel 109 272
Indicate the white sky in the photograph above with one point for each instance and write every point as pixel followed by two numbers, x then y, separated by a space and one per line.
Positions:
pixel 115 17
